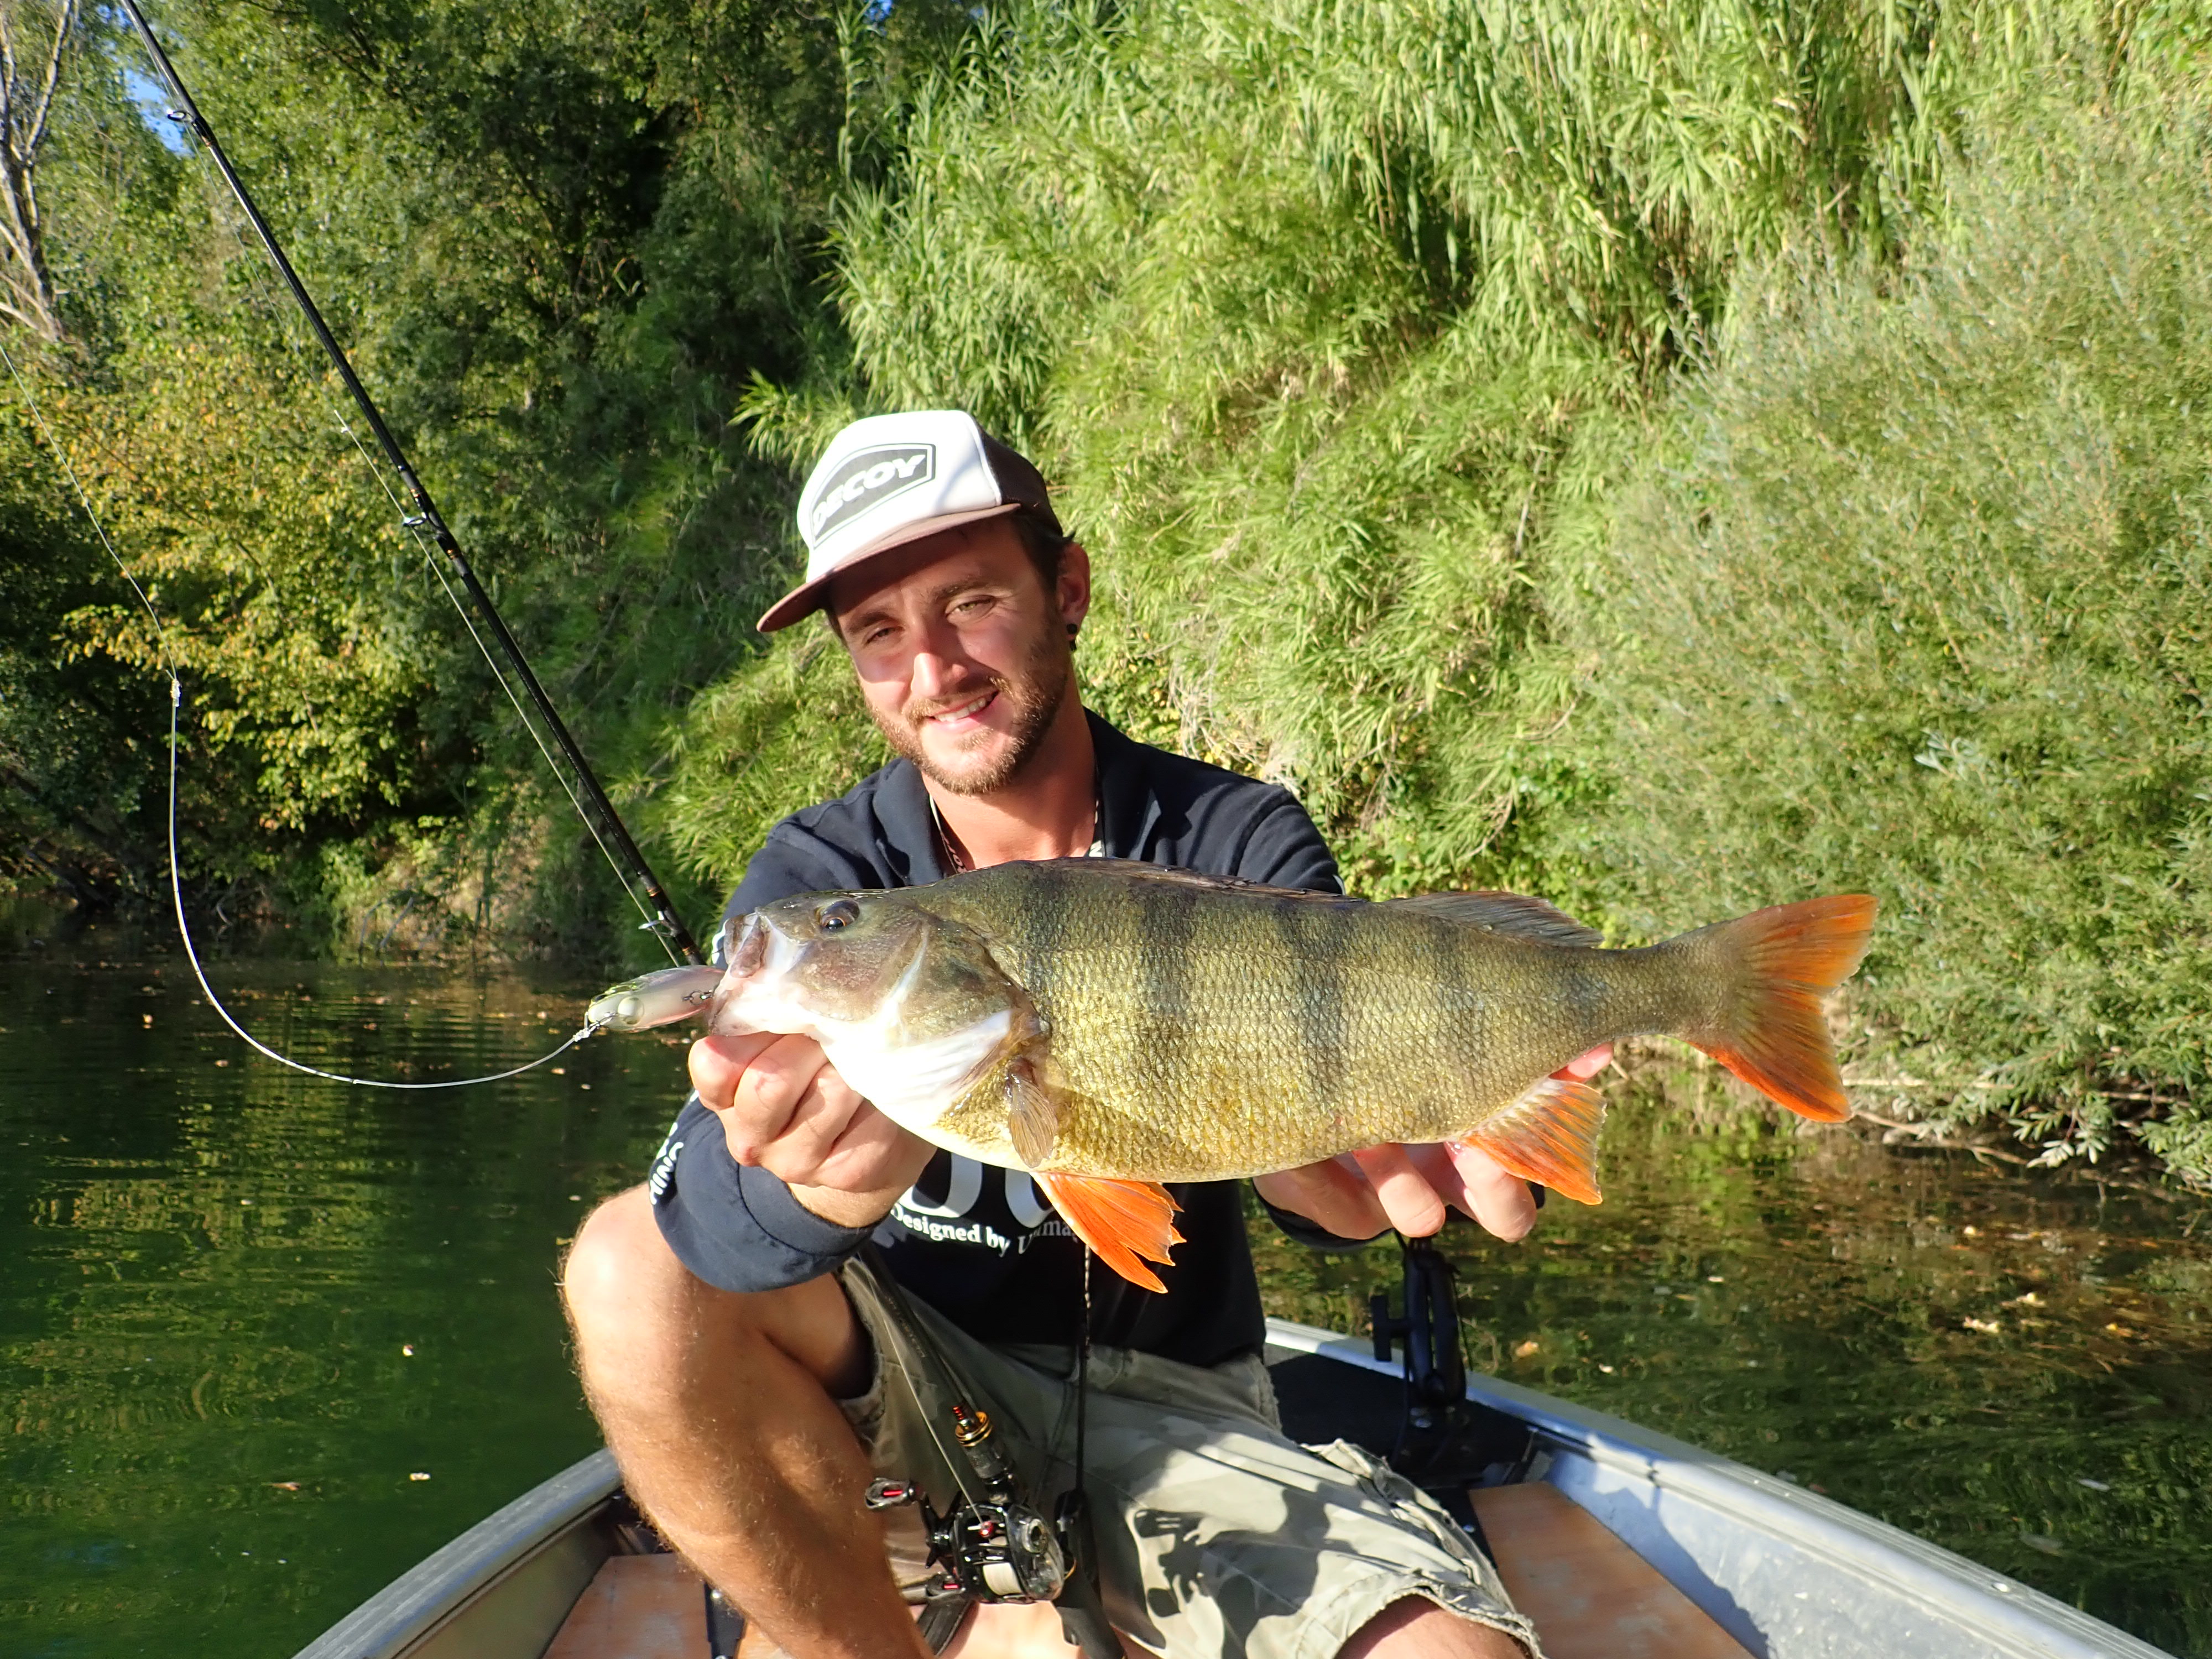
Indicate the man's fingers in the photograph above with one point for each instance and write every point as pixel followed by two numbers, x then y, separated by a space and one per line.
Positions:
pixel 1500 1200
pixel 1405 1193
pixel 777 1108
pixel 1334 1194
pixel 1588 1065
pixel 717 1062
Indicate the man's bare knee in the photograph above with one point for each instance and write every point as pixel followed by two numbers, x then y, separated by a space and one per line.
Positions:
pixel 629 1295
pixel 1415 1627
pixel 619 1264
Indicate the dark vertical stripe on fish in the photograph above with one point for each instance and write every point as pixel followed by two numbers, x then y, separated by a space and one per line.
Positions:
pixel 1169 922
pixel 1317 947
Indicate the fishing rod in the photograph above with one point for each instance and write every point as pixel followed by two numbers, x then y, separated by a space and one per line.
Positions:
pixel 426 517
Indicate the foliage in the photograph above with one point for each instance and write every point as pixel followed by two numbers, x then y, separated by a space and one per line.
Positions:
pixel 1308 310
pixel 1358 341
pixel 1666 457
pixel 556 248
pixel 1921 601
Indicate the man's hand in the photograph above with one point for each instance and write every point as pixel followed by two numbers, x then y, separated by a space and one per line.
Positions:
pixel 784 1107
pixel 1360 1193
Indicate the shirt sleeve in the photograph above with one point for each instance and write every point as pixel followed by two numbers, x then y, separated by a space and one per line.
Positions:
pixel 1283 849
pixel 736 1227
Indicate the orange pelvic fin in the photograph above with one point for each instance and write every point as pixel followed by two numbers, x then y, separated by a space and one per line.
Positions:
pixel 1549 1135
pixel 1790 957
pixel 1122 1220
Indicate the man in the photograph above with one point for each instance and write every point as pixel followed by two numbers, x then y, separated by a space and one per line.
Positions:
pixel 743 1363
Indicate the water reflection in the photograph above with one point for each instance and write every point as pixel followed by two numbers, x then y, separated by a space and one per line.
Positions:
pixel 2015 1365
pixel 242 1310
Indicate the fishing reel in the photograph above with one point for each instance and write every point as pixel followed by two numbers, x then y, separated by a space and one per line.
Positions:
pixel 989 1551
pixel 992 1547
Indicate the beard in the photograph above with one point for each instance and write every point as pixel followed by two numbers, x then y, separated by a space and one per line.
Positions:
pixel 1032 696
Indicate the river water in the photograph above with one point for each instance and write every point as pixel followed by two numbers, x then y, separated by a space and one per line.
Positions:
pixel 266 1341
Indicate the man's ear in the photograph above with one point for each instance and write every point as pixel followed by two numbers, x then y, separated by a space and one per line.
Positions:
pixel 1075 587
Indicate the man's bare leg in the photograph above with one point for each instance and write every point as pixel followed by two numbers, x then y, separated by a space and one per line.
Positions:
pixel 1419 1629
pixel 720 1408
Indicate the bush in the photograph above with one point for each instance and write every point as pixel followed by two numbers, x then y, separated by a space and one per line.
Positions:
pixel 1920 601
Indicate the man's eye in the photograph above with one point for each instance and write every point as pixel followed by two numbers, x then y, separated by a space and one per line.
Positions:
pixel 836 915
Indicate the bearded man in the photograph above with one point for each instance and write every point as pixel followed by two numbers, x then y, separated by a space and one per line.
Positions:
pixel 741 1357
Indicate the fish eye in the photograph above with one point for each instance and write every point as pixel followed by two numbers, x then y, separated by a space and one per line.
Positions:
pixel 836 915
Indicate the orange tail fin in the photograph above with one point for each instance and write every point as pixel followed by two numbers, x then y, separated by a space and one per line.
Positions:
pixel 1787 958
pixel 1122 1220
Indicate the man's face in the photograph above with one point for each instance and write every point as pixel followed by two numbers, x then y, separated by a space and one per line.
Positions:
pixel 962 656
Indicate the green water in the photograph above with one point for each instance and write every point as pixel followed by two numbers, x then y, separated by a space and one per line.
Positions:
pixel 213 1271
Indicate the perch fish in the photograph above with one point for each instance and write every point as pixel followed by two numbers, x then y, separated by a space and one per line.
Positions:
pixel 1112 1026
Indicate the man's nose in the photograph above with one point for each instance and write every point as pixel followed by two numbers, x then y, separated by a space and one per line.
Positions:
pixel 937 670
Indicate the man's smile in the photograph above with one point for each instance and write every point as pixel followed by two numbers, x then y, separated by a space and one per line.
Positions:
pixel 963 716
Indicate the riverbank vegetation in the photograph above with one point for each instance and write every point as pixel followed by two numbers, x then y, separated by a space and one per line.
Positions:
pixel 1670 459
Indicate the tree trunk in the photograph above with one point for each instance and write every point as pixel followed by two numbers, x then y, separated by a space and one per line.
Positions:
pixel 28 84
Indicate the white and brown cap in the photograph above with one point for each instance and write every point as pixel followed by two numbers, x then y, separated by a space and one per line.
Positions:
pixel 891 479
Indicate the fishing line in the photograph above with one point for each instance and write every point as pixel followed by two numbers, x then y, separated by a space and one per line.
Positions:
pixel 176 875
pixel 177 892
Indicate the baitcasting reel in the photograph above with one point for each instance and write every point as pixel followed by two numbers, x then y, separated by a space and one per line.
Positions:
pixel 991 1551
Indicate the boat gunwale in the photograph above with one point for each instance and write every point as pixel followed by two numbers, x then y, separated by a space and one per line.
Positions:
pixel 439 1588
pixel 1842 1538
pixel 1947 1586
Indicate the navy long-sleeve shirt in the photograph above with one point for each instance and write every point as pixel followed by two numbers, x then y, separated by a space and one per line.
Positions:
pixel 978 1243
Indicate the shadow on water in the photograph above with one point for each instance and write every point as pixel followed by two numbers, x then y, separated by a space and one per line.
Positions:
pixel 214 1271
pixel 2016 1365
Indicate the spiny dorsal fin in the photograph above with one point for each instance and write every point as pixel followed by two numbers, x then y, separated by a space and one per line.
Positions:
pixel 1506 913
pixel 1173 875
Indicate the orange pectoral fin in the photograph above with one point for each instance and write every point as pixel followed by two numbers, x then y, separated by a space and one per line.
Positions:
pixel 1549 1135
pixel 1122 1220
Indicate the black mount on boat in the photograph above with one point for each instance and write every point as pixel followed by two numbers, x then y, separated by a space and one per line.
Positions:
pixel 1446 1441
pixel 991 1543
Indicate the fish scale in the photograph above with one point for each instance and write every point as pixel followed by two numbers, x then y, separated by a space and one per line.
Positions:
pixel 1291 1030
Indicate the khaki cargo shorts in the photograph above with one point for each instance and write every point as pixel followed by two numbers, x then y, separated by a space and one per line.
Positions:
pixel 1215 1534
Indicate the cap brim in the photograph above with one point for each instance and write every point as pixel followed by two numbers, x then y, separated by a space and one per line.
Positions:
pixel 809 597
